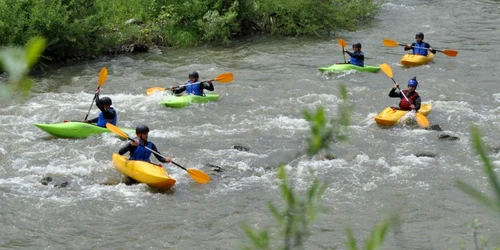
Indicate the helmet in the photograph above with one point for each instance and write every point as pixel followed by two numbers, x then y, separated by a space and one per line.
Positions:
pixel 106 101
pixel 413 82
pixel 141 129
pixel 419 34
pixel 194 74
pixel 357 45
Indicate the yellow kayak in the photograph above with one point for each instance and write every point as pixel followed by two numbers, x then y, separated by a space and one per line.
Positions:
pixel 390 116
pixel 411 60
pixel 153 175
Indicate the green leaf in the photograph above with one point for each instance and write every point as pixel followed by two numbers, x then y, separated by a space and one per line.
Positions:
pixel 34 49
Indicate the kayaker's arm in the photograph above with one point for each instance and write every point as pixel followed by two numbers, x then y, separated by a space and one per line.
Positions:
pixel 178 90
pixel 360 55
pixel 409 46
pixel 208 86
pixel 433 51
pixel 417 103
pixel 127 148
pixel 159 157
pixel 393 93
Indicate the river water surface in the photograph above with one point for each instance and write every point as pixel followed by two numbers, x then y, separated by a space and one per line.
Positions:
pixel 376 173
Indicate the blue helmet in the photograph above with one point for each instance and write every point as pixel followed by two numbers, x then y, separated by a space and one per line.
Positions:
pixel 413 82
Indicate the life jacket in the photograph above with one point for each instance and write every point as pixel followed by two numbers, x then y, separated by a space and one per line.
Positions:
pixel 141 153
pixel 418 51
pixel 404 104
pixel 101 121
pixel 357 61
pixel 194 88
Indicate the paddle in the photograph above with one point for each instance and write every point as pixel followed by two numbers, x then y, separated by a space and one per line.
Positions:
pixel 222 78
pixel 392 43
pixel 100 82
pixel 342 44
pixel 421 119
pixel 195 174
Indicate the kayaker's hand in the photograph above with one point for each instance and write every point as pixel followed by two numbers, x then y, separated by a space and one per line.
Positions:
pixel 168 160
pixel 396 86
pixel 209 81
pixel 97 90
pixel 86 121
pixel 134 143
pixel 408 46
pixel 171 88
pixel 412 106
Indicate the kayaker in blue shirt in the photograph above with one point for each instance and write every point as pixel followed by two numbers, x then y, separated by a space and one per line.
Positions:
pixel 357 56
pixel 108 113
pixel 419 45
pixel 193 86
pixel 140 153
pixel 410 93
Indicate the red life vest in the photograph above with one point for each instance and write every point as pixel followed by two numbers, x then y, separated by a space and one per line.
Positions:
pixel 404 104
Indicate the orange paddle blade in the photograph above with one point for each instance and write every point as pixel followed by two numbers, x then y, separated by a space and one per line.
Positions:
pixel 342 42
pixel 422 120
pixel 387 69
pixel 116 130
pixel 102 77
pixel 153 90
pixel 224 77
pixel 449 52
pixel 390 43
pixel 198 175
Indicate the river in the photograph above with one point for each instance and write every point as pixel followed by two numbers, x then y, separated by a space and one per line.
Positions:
pixel 376 173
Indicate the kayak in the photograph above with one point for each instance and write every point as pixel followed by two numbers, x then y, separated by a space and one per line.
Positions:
pixel 74 129
pixel 186 100
pixel 347 66
pixel 390 116
pixel 411 60
pixel 153 175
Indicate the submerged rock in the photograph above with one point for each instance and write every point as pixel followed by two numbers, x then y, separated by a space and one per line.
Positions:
pixel 48 179
pixel 426 154
pixel 435 127
pixel 448 137
pixel 215 168
pixel 240 147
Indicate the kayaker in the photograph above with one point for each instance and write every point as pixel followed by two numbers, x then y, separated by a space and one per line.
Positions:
pixel 410 93
pixel 140 153
pixel 419 46
pixel 108 113
pixel 357 56
pixel 193 86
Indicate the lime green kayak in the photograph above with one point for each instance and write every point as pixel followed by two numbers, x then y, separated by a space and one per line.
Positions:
pixel 347 66
pixel 75 129
pixel 186 100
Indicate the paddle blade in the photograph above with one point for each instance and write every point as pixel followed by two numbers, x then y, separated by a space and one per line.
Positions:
pixel 342 42
pixel 390 43
pixel 449 52
pixel 102 77
pixel 387 69
pixel 198 175
pixel 153 90
pixel 224 77
pixel 116 130
pixel 422 120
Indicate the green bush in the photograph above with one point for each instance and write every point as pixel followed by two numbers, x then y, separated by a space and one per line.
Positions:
pixel 86 28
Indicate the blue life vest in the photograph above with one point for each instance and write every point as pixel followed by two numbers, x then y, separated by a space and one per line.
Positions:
pixel 357 61
pixel 141 153
pixel 101 121
pixel 194 88
pixel 418 51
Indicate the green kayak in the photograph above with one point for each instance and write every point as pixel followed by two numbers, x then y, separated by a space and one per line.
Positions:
pixel 346 66
pixel 75 129
pixel 186 100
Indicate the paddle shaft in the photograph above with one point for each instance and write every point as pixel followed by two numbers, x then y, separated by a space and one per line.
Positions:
pixel 408 100
pixel 152 151
pixel 92 103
